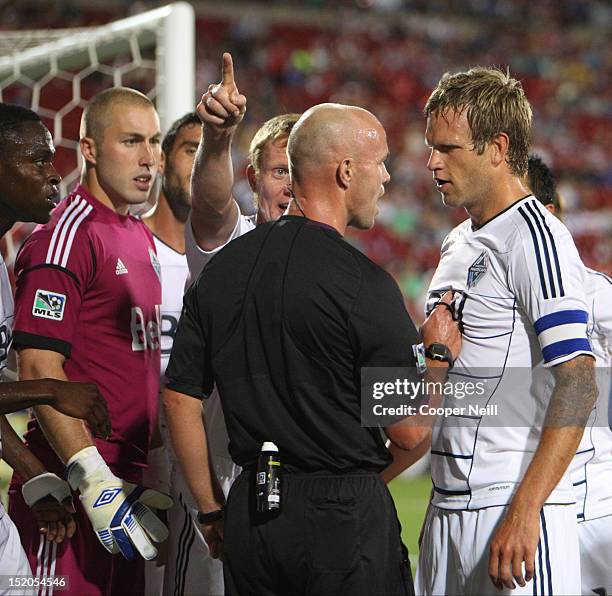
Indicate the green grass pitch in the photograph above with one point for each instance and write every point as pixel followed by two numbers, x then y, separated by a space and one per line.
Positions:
pixel 411 497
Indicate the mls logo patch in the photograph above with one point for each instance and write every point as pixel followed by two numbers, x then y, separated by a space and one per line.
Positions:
pixel 155 263
pixel 477 269
pixel 106 496
pixel 49 305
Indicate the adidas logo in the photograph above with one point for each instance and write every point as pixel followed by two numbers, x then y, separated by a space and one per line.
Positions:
pixel 120 269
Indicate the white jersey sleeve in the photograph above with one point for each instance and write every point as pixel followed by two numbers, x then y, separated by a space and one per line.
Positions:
pixel 601 286
pixel 548 279
pixel 197 258
pixel 591 468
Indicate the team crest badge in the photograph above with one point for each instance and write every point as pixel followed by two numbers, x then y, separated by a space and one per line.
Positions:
pixel 155 263
pixel 477 269
pixel 49 305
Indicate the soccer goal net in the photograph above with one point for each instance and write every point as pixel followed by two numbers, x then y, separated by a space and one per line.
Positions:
pixel 56 71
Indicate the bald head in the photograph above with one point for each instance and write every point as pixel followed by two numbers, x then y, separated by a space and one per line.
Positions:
pixel 98 112
pixel 337 164
pixel 328 133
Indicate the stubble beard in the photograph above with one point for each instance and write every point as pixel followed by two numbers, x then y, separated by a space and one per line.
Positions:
pixel 178 201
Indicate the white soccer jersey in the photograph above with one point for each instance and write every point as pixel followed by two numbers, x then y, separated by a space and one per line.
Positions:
pixel 174 274
pixel 519 290
pixel 197 258
pixel 13 560
pixel 7 314
pixel 194 566
pixel 591 468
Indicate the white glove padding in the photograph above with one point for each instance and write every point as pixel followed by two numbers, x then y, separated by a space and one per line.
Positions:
pixel 45 485
pixel 117 509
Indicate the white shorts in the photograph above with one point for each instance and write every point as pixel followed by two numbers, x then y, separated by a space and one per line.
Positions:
pixel 596 555
pixel 13 560
pixel 190 570
pixel 454 555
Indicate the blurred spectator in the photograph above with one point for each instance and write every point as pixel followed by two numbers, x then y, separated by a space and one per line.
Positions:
pixel 384 55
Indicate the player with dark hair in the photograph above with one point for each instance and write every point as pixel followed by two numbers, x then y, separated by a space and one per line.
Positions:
pixel 214 222
pixel 167 224
pixel 87 308
pixel 28 189
pixel 591 468
pixel 541 182
pixel 502 510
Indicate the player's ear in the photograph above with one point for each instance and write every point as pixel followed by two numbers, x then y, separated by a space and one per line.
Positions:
pixel 551 208
pixel 88 150
pixel 499 149
pixel 162 164
pixel 251 175
pixel 344 173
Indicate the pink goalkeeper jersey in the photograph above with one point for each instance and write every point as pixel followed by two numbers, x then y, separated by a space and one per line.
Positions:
pixel 88 287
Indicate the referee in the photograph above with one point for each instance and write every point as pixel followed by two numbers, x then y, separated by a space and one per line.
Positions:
pixel 296 312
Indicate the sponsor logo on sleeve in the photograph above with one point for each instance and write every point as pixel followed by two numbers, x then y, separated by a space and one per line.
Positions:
pixel 49 305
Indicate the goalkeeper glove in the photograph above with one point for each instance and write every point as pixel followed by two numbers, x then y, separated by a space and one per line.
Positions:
pixel 118 510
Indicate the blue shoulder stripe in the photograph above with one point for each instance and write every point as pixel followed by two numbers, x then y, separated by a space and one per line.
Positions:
pixel 555 254
pixel 534 238
pixel 565 347
pixel 562 317
pixel 534 217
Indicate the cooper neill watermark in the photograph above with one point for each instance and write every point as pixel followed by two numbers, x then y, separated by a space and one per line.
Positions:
pixel 479 396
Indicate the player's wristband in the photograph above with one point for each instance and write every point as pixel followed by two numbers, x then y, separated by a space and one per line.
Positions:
pixel 45 485
pixel 440 352
pixel 212 516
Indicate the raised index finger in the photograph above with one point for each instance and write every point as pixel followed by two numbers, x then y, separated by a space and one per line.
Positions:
pixel 227 72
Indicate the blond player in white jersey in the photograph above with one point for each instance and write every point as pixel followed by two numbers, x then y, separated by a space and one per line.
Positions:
pixel 591 468
pixel 28 183
pixel 167 223
pixel 503 514
pixel 214 221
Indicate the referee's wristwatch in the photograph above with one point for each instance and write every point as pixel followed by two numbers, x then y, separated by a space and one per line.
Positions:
pixel 211 516
pixel 440 352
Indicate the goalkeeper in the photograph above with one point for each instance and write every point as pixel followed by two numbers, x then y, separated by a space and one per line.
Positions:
pixel 86 309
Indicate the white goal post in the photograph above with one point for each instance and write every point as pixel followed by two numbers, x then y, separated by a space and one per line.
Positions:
pixel 55 72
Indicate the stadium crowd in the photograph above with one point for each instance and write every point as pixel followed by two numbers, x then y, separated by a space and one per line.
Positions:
pixel 282 313
pixel 387 65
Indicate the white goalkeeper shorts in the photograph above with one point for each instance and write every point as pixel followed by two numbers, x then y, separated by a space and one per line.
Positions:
pixel 189 565
pixel 596 555
pixel 454 555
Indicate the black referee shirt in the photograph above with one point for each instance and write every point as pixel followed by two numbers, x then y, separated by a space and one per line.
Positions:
pixel 282 320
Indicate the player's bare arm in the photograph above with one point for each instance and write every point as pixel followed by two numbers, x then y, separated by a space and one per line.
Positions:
pixel 403 459
pixel 214 212
pixel 188 434
pixel 440 327
pixel 517 537
pixel 65 434
pixel 78 400
pixel 52 512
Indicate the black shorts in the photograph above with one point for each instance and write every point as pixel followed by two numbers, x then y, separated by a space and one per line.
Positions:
pixel 335 534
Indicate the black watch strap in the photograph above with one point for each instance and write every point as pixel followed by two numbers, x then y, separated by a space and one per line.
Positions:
pixel 440 352
pixel 211 516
